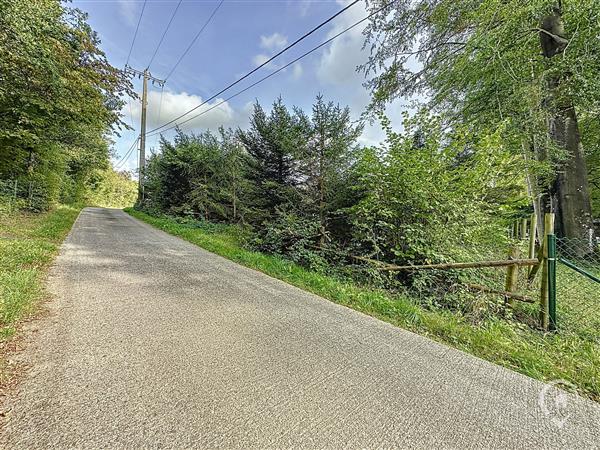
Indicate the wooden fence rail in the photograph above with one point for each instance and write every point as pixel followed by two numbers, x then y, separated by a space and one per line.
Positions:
pixel 467 265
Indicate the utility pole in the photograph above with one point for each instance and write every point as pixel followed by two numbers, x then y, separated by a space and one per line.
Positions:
pixel 145 76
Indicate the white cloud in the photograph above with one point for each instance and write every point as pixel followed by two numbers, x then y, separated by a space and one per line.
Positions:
pixel 339 61
pixel 297 71
pixel 129 11
pixel 272 43
pixel 336 69
pixel 175 104
pixel 276 41
pixel 260 59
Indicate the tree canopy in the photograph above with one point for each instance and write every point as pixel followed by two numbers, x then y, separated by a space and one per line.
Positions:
pixel 523 68
pixel 60 99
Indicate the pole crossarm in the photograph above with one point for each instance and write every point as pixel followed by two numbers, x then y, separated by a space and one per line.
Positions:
pixel 144 73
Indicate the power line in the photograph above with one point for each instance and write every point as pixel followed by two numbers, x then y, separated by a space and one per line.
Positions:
pixel 125 157
pixel 162 38
pixel 136 32
pixel 321 25
pixel 279 69
pixel 195 38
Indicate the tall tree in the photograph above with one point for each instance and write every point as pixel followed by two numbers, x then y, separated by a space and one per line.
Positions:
pixel 59 96
pixel 272 142
pixel 481 63
pixel 327 157
pixel 234 173
pixel 570 188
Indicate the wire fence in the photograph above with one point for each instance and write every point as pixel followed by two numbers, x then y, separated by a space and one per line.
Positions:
pixel 518 280
pixel 19 195
pixel 578 287
pixel 484 291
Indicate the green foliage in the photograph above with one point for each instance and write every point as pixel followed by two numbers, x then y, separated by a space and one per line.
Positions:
pixel 309 194
pixel 326 160
pixel 494 66
pixel 59 97
pixel 288 176
pixel 542 357
pixel 198 175
pixel 28 243
pixel 272 144
pixel 590 130
pixel 108 188
pixel 481 59
pixel 427 195
pixel 293 236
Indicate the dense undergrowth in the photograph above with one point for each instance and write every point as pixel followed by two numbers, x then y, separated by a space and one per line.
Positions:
pixel 542 356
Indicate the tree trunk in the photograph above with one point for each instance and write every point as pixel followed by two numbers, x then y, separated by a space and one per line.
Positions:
pixel 533 189
pixel 568 195
pixel 234 203
pixel 322 195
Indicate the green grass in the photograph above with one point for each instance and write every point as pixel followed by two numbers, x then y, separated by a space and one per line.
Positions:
pixel 544 357
pixel 28 244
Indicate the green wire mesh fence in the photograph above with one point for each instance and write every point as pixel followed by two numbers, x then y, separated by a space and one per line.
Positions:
pixel 578 287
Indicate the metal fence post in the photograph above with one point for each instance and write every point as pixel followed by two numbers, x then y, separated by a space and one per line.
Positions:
pixel 544 298
pixel 552 280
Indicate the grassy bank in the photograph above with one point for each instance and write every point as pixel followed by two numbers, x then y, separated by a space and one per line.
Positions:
pixel 28 244
pixel 546 358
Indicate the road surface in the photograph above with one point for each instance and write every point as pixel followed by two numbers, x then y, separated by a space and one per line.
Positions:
pixel 153 342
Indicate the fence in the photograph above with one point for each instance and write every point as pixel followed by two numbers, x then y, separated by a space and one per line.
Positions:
pixel 18 194
pixel 578 287
pixel 545 283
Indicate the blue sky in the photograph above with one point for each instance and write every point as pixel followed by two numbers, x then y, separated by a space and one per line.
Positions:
pixel 241 35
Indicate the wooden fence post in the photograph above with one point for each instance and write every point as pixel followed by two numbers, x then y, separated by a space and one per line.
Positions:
pixel 548 229
pixel 512 273
pixel 532 232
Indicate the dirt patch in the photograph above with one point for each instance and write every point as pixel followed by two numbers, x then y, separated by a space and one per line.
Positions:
pixel 13 369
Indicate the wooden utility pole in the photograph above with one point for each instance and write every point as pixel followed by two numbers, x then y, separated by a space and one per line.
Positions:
pixel 142 163
pixel 145 76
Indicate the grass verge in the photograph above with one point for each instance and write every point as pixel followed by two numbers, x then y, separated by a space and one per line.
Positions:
pixel 544 357
pixel 28 244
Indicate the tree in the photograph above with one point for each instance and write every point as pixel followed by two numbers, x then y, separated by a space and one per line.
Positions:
pixel 59 97
pixel 109 188
pixel 481 63
pixel 272 143
pixel 425 195
pixel 235 186
pixel 326 158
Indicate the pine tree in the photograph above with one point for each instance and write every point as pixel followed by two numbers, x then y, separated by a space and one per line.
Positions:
pixel 327 158
pixel 272 143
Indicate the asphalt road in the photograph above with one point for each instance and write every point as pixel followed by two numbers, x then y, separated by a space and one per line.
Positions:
pixel 153 342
